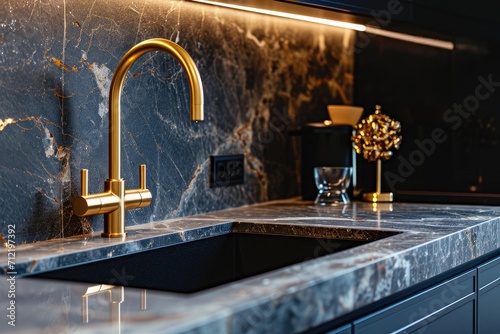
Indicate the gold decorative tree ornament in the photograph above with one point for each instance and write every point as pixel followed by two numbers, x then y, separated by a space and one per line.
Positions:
pixel 375 137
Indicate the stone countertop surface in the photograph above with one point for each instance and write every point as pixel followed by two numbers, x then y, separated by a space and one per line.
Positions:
pixel 434 238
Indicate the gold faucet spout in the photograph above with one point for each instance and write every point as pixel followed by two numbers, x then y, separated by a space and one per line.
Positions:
pixel 116 199
pixel 155 44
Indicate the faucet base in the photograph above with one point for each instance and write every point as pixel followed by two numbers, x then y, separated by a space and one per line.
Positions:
pixel 113 235
pixel 114 221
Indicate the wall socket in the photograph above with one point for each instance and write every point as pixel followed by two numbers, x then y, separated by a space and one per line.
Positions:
pixel 227 170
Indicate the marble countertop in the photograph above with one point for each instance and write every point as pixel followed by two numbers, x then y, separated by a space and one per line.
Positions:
pixel 433 239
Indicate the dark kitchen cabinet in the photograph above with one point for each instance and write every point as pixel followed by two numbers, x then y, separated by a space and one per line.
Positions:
pixel 448 307
pixel 467 302
pixel 375 13
pixel 447 19
pixel 363 7
pixel 489 297
pixel 481 10
pixel 347 329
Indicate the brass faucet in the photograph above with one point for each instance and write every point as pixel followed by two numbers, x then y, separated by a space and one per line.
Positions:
pixel 116 297
pixel 115 199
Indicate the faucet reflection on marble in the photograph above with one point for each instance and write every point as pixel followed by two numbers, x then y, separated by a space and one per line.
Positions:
pixel 115 199
pixel 115 298
pixel 115 294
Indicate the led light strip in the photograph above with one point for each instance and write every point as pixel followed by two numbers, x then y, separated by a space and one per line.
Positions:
pixel 411 38
pixel 358 27
pixel 340 24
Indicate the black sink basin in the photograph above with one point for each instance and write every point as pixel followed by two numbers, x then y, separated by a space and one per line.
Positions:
pixel 250 249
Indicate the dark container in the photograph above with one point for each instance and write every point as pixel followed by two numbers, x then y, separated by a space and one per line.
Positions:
pixel 324 145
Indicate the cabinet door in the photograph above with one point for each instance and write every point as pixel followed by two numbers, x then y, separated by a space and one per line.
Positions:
pixel 347 329
pixel 448 307
pixel 376 10
pixel 458 319
pixel 488 307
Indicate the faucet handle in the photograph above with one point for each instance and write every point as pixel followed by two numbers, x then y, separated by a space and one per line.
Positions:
pixel 84 181
pixel 86 205
pixel 142 177
pixel 140 197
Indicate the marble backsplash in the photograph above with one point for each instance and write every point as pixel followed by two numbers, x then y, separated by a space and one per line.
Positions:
pixel 262 77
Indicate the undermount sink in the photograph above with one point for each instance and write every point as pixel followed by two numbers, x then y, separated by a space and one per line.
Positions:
pixel 249 249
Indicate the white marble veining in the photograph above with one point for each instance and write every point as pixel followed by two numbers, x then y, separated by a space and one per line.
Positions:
pixel 434 239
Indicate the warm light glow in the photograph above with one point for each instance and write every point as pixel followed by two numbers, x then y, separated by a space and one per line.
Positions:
pixel 358 27
pixel 411 38
pixel 334 23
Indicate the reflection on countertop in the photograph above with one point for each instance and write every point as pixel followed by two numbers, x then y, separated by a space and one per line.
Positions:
pixel 434 239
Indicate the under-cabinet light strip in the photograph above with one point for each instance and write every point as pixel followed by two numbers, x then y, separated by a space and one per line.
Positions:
pixel 340 24
pixel 358 27
pixel 437 43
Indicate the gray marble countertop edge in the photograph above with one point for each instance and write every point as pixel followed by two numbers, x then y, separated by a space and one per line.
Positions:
pixel 461 240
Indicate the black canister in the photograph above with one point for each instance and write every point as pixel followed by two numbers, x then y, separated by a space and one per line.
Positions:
pixel 323 145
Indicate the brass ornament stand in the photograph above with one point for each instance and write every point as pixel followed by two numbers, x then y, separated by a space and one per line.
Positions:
pixel 375 137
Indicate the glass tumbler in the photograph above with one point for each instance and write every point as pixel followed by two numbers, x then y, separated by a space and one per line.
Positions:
pixel 332 183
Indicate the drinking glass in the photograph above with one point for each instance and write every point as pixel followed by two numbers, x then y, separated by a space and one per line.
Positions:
pixel 332 183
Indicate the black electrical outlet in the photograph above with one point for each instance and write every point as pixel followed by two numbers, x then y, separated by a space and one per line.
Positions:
pixel 226 170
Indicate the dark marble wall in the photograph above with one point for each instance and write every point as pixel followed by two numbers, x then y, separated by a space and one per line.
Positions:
pixel 440 93
pixel 262 77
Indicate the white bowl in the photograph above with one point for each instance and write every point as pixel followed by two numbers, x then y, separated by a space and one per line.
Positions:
pixel 344 115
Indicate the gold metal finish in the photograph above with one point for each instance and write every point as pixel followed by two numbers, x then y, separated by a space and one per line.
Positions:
pixel 142 177
pixel 116 297
pixel 156 44
pixel 378 195
pixel 375 137
pixel 144 304
pixel 85 181
pixel 115 199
